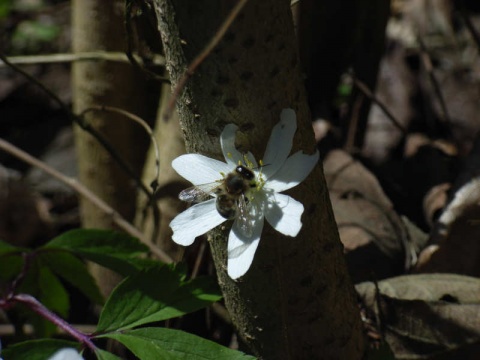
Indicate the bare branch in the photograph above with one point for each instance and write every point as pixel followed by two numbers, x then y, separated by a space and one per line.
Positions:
pixel 86 193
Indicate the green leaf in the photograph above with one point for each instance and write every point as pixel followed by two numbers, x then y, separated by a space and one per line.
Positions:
pixel 5 7
pixel 6 248
pixel 42 284
pixel 52 293
pixel 110 249
pixel 99 241
pixel 10 267
pixel 169 344
pixel 36 349
pixel 11 260
pixel 154 295
pixel 105 355
pixel 74 271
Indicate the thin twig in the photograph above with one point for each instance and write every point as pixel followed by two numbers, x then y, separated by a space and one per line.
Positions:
pixel 154 183
pixel 202 56
pixel 37 307
pixel 427 64
pixel 82 56
pixel 371 96
pixel 83 125
pixel 353 125
pixel 142 123
pixel 198 260
pixel 86 193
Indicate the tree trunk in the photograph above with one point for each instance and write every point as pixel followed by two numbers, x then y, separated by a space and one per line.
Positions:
pixel 297 300
pixel 98 25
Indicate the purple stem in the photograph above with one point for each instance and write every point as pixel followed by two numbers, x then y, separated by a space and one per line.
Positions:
pixel 41 310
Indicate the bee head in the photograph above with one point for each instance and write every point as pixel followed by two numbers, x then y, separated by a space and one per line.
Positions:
pixel 245 172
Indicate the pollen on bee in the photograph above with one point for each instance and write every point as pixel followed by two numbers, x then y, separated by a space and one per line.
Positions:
pixel 260 162
pixel 247 162
pixel 229 155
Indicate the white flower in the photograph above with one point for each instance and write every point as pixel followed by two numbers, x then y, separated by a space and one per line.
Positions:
pixel 279 173
pixel 66 354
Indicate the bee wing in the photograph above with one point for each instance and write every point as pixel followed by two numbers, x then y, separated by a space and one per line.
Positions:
pixel 198 193
pixel 244 217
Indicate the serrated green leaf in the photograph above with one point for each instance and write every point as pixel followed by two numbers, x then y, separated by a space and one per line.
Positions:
pixel 105 355
pixel 107 248
pixel 99 241
pixel 36 349
pixel 169 344
pixel 153 295
pixel 74 271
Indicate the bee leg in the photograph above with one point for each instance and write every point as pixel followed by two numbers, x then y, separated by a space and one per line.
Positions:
pixel 226 206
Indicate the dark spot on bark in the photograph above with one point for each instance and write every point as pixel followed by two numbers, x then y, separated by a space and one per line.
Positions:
pixel 297 95
pixel 321 288
pixel 306 281
pixel 281 46
pixel 216 92
pixel 330 339
pixel 221 123
pixel 212 132
pixel 312 208
pixel 246 75
pixel 328 247
pixel 248 42
pixel 232 60
pixel 293 301
pixel 217 50
pixel 229 37
pixel 222 79
pixel 274 72
pixel 294 61
pixel 271 105
pixel 247 127
pixel 269 38
pixel 231 103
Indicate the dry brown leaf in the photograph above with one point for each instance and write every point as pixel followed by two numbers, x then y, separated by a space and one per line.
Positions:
pixel 376 239
pixel 456 233
pixel 435 316
pixel 434 201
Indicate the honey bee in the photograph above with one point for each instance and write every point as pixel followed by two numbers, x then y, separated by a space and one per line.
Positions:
pixel 230 193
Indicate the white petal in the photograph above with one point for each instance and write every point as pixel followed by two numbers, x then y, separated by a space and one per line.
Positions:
pixel 195 221
pixel 241 250
pixel 232 156
pixel 227 142
pixel 199 169
pixel 284 213
pixel 293 172
pixel 280 142
pixel 66 354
